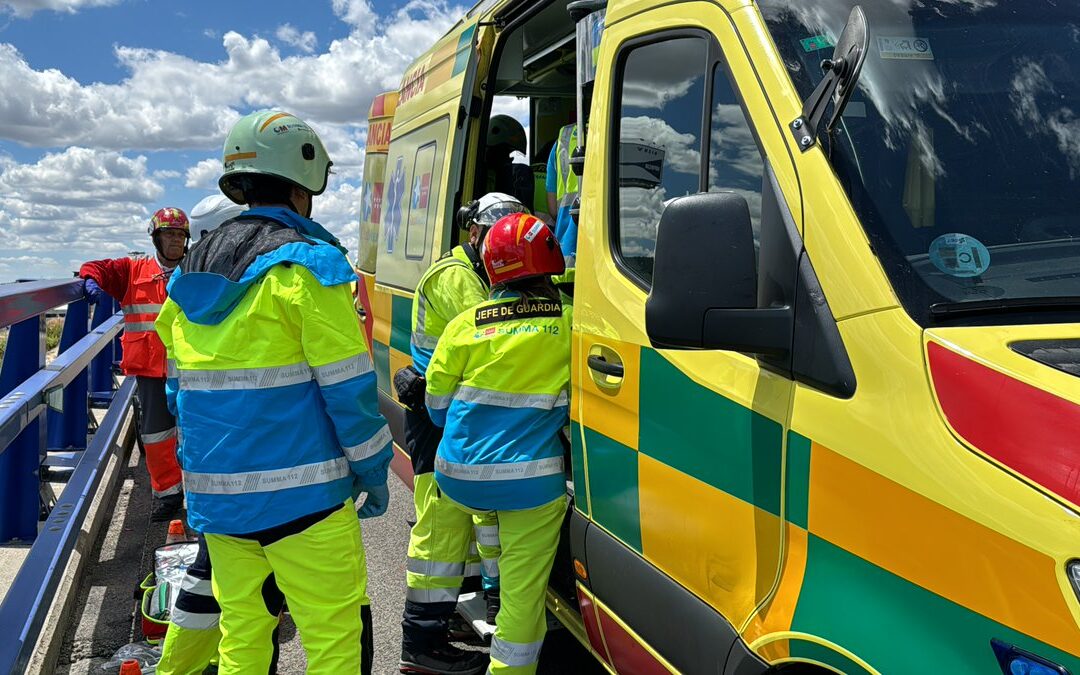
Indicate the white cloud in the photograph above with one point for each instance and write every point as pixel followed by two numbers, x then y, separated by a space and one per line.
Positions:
pixel 169 101
pixel 25 8
pixel 79 202
pixel 204 174
pixel 356 13
pixel 172 101
pixel 10 263
pixel 305 41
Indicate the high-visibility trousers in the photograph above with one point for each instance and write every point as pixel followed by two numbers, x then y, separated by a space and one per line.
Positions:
pixel 191 645
pixel 157 431
pixel 322 572
pixel 441 547
pixel 529 538
pixel 435 566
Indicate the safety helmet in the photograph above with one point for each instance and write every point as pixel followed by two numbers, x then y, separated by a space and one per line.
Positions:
pixel 212 211
pixel 505 130
pixel 487 210
pixel 273 143
pixel 520 246
pixel 168 218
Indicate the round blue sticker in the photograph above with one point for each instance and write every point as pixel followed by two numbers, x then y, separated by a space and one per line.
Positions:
pixel 959 255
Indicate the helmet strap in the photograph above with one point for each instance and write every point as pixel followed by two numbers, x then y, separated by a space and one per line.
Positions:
pixel 474 257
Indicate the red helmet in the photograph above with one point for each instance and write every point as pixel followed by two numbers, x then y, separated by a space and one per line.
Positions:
pixel 169 218
pixel 519 246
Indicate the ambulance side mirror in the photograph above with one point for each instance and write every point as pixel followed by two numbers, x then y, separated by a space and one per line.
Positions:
pixel 704 286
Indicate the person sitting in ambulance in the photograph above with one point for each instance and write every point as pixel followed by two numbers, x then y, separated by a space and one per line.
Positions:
pixel 505 137
pixel 498 383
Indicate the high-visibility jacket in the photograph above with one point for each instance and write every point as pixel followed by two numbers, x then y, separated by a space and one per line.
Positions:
pixel 447 289
pixel 563 183
pixel 139 284
pixel 498 382
pixel 270 376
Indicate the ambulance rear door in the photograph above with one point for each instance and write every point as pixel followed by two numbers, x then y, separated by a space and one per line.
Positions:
pixel 421 181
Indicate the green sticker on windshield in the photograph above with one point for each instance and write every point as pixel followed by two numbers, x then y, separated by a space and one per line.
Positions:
pixel 959 255
pixel 813 44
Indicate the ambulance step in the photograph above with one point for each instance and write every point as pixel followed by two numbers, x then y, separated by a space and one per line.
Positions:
pixel 473 608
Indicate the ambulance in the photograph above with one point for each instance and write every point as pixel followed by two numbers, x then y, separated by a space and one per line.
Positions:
pixel 825 396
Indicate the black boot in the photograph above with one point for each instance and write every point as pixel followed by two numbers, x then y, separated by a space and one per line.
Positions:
pixel 166 508
pixel 443 659
pixel 493 604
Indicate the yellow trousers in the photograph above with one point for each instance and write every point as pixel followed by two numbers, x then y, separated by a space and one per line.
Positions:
pixel 323 575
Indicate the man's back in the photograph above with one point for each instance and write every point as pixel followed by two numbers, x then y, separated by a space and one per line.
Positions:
pixel 272 380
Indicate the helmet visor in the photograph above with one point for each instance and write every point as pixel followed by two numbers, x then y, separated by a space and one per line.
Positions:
pixel 490 215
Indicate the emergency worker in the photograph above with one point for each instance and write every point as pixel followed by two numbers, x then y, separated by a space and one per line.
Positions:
pixel 498 383
pixel 440 538
pixel 139 284
pixel 277 406
pixel 562 190
pixel 191 644
pixel 506 136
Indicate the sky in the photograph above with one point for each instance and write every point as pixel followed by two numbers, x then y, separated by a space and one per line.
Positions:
pixel 112 109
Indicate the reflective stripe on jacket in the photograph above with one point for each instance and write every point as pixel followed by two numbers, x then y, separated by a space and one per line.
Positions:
pixel 498 382
pixel 139 284
pixel 448 288
pixel 274 388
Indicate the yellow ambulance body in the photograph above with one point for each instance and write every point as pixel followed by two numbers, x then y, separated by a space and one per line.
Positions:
pixel 825 406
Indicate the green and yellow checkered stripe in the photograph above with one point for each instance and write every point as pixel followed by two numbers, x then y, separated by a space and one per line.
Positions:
pixel 874 575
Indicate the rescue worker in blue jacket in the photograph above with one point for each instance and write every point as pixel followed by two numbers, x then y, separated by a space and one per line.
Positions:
pixel 277 406
pixel 498 383
pixel 439 541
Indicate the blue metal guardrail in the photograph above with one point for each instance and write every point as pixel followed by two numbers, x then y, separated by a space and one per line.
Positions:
pixel 44 420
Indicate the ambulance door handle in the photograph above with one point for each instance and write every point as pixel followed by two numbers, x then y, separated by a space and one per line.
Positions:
pixel 605 367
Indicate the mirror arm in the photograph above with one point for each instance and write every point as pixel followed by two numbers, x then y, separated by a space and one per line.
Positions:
pixel 805 127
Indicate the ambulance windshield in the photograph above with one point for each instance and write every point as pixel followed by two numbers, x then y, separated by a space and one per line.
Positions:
pixel 960 151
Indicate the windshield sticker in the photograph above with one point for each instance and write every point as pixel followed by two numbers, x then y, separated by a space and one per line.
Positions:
pixel 905 48
pixel 959 255
pixel 813 44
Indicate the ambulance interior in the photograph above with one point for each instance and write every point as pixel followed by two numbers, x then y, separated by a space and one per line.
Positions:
pixel 533 79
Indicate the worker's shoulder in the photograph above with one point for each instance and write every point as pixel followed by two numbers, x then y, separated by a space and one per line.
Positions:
pixel 318 264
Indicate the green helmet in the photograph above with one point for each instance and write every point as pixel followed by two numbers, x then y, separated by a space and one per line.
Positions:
pixel 505 130
pixel 273 143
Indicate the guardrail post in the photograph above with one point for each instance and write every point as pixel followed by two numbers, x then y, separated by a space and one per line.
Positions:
pixel 20 496
pixel 67 427
pixel 101 370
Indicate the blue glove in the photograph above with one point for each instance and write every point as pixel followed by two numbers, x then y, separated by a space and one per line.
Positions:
pixel 378 497
pixel 93 292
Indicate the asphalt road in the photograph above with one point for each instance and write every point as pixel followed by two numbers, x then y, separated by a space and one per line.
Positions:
pixel 105 616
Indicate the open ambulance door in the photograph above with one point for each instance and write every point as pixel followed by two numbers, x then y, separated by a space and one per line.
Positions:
pixel 425 163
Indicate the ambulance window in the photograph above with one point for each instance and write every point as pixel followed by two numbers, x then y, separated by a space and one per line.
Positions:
pixel 735 163
pixel 420 202
pixel 660 117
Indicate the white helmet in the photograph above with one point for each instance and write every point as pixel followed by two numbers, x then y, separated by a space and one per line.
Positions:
pixel 487 210
pixel 212 212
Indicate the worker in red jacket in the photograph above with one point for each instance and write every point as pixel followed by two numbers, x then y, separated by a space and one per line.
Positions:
pixel 139 283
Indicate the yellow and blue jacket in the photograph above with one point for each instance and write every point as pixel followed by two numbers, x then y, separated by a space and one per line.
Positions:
pixel 498 382
pixel 448 288
pixel 269 376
